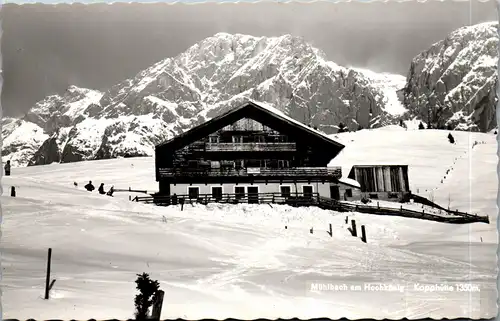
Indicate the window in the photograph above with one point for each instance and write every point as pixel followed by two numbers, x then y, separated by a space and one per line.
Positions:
pixel 260 139
pixel 348 192
pixel 217 192
pixel 253 163
pixel 237 139
pixel 239 164
pixel 283 164
pixel 285 191
pixel 194 192
pixel 307 190
pixel 239 191
pixel 272 163
pixel 213 139
pixel 192 164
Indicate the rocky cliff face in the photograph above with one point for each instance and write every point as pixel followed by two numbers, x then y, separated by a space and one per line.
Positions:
pixel 453 84
pixel 219 73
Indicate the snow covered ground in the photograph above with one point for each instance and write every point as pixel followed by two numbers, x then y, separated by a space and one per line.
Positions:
pixel 239 261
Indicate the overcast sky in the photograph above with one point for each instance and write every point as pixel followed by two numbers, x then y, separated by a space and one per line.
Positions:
pixel 46 48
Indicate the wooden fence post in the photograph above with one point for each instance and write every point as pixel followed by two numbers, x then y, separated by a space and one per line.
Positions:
pixel 331 232
pixel 378 205
pixel 401 209
pixel 181 200
pixel 13 191
pixel 311 230
pixel 129 197
pixel 363 234
pixel 347 219
pixel 353 225
pixel 47 279
pixel 157 305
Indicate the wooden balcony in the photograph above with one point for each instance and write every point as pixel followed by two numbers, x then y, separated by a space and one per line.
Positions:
pixel 250 147
pixel 312 172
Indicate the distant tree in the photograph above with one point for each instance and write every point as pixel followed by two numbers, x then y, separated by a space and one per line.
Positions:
pixel 451 138
pixel 342 128
pixel 421 126
pixel 148 291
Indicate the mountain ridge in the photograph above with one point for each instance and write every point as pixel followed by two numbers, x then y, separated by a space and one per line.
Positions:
pixel 210 77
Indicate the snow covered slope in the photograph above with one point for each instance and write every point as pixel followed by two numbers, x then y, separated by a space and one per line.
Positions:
pixel 454 82
pixel 238 261
pixel 454 175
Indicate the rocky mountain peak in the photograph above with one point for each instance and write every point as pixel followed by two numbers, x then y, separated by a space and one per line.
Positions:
pixel 452 84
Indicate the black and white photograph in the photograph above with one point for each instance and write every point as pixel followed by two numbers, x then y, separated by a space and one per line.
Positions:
pixel 249 160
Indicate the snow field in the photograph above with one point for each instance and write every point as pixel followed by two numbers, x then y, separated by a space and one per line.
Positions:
pixel 221 261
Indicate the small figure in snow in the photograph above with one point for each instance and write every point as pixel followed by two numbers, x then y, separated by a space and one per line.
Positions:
pixel 76 184
pixel 101 189
pixel 174 199
pixel 451 138
pixel 7 168
pixel 111 191
pixel 89 187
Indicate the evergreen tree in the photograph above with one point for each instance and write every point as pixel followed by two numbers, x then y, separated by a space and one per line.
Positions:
pixel 421 126
pixel 148 291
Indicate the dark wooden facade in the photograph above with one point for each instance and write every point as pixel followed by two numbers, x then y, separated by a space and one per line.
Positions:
pixel 382 181
pixel 249 144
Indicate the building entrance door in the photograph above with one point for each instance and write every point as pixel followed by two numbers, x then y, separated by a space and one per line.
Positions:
pixel 253 194
pixel 334 192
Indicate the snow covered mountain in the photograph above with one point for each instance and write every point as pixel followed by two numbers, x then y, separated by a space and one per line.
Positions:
pixel 214 75
pixel 454 82
pixel 455 77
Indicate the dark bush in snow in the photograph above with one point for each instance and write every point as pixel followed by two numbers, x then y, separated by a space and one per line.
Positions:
pixel 148 291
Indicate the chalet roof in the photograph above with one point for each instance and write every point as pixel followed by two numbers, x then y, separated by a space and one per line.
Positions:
pixel 226 118
pixel 383 164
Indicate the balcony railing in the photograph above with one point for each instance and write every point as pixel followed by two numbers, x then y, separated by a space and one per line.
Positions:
pixel 250 147
pixel 334 172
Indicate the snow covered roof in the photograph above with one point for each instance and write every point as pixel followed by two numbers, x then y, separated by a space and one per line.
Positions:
pixel 378 164
pixel 349 181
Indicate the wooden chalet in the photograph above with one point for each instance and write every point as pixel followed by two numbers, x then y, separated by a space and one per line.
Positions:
pixel 386 182
pixel 247 151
